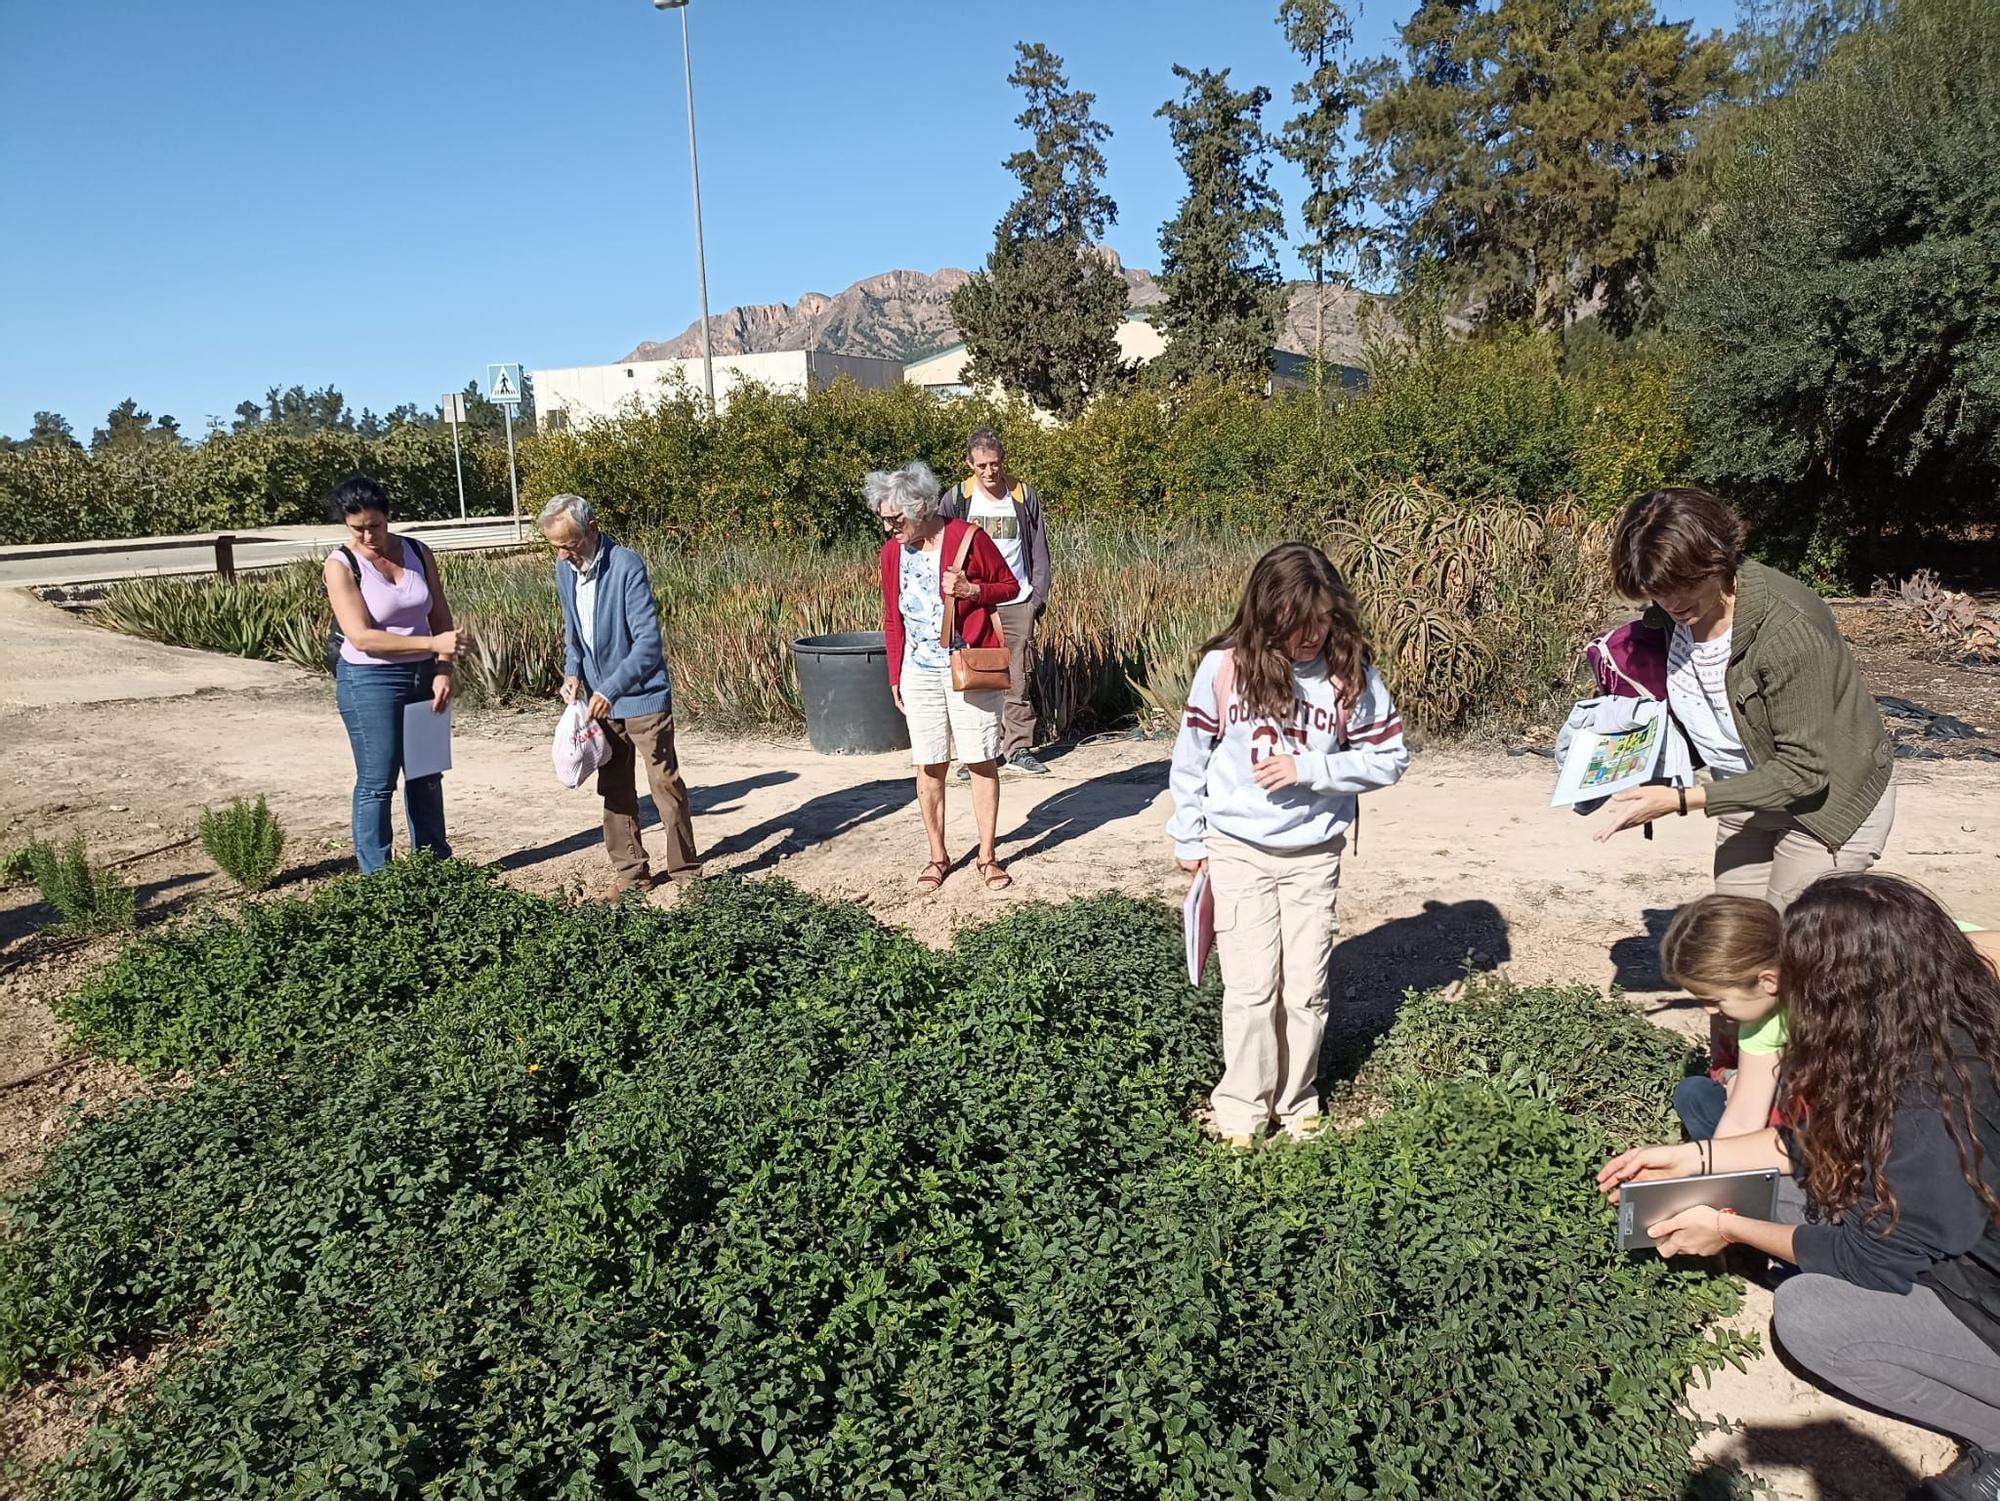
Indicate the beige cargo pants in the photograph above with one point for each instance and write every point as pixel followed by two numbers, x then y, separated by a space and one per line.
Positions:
pixel 1274 930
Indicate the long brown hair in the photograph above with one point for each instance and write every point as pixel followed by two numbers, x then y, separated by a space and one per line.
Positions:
pixel 1721 941
pixel 1884 997
pixel 1290 585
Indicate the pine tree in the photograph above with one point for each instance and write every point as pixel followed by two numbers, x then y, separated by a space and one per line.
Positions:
pixel 1042 318
pixel 1517 147
pixel 1219 276
pixel 1315 140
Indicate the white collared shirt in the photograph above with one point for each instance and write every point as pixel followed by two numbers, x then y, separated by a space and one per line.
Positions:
pixel 586 598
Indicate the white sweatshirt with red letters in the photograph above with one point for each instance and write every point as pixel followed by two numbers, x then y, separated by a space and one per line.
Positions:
pixel 1213 783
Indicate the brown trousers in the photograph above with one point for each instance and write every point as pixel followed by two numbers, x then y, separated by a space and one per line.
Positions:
pixel 649 737
pixel 1017 718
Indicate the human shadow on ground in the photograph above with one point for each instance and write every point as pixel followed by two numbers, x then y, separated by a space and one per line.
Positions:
pixel 1372 971
pixel 1084 808
pixel 1845 1464
pixel 1635 962
pixel 723 797
pixel 816 821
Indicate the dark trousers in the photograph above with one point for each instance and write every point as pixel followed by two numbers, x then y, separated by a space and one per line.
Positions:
pixel 648 738
pixel 1699 1102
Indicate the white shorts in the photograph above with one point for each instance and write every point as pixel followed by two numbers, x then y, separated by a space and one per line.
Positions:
pixel 943 720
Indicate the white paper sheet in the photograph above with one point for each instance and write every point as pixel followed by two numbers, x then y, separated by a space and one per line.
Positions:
pixel 426 740
pixel 1198 926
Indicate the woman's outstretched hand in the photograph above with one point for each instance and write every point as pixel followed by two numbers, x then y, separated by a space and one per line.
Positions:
pixel 1642 1163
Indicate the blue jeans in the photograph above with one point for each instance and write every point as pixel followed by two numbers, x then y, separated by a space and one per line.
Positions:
pixel 371 700
pixel 1699 1102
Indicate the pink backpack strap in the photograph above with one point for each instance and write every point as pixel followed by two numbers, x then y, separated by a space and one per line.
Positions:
pixel 1225 688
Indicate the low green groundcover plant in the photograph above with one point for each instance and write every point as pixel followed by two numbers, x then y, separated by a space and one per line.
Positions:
pixel 474 1194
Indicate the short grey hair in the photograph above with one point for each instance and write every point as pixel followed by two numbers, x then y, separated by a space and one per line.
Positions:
pixel 987 438
pixel 573 508
pixel 911 490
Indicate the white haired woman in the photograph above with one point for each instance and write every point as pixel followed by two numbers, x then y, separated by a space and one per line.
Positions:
pixel 925 561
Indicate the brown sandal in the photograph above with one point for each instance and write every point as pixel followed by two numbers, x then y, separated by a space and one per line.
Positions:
pixel 933 876
pixel 996 878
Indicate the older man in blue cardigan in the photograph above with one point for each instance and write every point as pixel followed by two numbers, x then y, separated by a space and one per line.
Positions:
pixel 612 651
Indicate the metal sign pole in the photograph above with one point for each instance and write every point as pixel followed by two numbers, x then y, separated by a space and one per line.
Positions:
pixel 458 464
pixel 513 481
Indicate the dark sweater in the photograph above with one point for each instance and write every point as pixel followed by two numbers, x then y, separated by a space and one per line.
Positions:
pixel 1944 1239
pixel 1817 745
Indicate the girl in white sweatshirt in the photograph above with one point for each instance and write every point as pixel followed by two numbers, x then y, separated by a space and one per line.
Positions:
pixel 1287 720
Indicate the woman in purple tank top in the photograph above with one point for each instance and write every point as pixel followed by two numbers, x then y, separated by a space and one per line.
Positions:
pixel 397 644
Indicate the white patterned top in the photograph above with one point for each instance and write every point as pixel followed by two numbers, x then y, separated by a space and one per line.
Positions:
pixel 1699 697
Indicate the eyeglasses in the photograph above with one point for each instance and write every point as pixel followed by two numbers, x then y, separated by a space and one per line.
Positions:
pixel 890 523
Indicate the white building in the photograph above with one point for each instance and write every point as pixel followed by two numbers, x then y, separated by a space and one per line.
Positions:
pixel 1139 343
pixel 584 394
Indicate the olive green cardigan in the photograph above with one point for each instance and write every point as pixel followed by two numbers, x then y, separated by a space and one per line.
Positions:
pixel 1817 746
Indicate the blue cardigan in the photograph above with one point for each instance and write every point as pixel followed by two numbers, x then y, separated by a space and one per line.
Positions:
pixel 629 665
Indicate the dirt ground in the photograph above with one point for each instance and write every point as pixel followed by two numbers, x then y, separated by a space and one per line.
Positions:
pixel 125 741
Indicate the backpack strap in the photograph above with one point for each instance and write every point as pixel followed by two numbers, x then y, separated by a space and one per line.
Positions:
pixel 353 563
pixel 1225 688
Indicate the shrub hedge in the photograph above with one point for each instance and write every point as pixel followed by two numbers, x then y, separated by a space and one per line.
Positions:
pixel 233 480
pixel 1494 418
pixel 755 1198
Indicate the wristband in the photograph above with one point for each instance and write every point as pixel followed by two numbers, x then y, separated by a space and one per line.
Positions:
pixel 1684 800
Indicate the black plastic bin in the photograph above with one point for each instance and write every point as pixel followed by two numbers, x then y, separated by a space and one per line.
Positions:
pixel 844 680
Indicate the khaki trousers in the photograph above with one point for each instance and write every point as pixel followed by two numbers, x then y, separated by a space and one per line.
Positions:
pixel 647 737
pixel 1017 719
pixel 1274 929
pixel 1770 854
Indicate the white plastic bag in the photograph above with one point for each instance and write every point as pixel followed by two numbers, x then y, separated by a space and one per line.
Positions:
pixel 580 746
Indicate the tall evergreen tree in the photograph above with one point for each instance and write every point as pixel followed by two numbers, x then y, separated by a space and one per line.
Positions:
pixel 1315 140
pixel 1219 274
pixel 1042 318
pixel 128 427
pixel 1516 145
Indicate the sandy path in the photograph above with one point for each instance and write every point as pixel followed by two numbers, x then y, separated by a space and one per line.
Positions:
pixel 1463 858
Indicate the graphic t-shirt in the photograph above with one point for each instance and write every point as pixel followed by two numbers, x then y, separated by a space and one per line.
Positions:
pixel 922 607
pixel 1699 698
pixel 1000 521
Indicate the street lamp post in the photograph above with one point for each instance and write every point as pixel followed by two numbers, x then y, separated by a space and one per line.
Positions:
pixel 694 177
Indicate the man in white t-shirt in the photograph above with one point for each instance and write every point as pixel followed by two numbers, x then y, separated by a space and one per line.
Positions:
pixel 1011 514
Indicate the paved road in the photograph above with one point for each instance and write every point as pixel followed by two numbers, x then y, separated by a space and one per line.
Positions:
pixel 77 563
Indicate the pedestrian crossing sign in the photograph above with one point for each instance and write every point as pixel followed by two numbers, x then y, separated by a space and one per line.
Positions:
pixel 503 385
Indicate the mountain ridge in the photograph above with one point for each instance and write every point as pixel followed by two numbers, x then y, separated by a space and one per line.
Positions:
pixel 906 316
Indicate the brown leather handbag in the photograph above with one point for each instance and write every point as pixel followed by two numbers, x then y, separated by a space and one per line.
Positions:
pixel 973 668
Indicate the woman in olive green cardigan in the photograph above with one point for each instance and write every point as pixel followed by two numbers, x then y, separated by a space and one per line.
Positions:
pixel 1768 693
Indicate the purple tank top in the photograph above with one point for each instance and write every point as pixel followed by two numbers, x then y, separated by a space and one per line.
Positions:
pixel 402 608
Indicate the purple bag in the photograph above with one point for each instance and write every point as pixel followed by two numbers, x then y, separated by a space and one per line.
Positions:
pixel 1630 661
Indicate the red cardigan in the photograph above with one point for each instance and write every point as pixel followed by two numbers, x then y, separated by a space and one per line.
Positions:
pixel 977 623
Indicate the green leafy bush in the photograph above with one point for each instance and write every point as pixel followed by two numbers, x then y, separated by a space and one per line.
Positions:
pixel 233 480
pixel 1574 1047
pixel 756 1198
pixel 244 841
pixel 90 899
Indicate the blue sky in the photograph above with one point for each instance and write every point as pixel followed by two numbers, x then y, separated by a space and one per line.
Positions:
pixel 209 198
